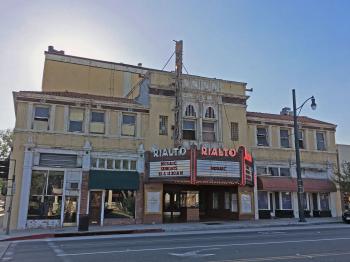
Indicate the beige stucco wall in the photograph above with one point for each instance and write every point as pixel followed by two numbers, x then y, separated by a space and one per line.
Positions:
pixel 60 76
pixel 234 113
pixel 21 115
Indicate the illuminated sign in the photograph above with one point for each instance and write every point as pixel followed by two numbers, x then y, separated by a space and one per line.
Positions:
pixel 181 151
pixel 218 168
pixel 170 168
pixel 218 152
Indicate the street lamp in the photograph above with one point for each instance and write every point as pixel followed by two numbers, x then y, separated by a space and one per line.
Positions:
pixel 297 153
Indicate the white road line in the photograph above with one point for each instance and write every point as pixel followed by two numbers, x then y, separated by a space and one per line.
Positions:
pixel 9 252
pixel 58 251
pixel 204 246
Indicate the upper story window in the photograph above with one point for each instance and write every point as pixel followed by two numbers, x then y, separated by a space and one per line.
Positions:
pixel 163 125
pixel 210 113
pixel 208 131
pixel 273 171
pixel 190 111
pixel 234 131
pixel 284 138
pixel 189 130
pixel 301 139
pixel 113 164
pixel 262 136
pixel 129 125
pixel 97 122
pixel 320 141
pixel 76 120
pixel 41 118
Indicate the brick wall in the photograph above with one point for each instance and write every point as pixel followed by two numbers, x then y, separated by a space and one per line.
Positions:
pixel 84 193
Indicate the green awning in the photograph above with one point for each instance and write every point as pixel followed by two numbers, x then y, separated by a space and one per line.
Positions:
pixel 101 179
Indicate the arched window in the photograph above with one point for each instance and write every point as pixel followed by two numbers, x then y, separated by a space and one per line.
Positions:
pixel 190 111
pixel 210 113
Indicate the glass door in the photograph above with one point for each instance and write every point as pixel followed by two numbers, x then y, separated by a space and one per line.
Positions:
pixel 70 211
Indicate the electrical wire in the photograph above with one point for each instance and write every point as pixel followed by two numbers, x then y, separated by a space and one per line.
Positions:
pixel 167 62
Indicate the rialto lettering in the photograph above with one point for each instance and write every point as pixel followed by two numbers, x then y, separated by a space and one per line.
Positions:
pixel 227 152
pixel 181 151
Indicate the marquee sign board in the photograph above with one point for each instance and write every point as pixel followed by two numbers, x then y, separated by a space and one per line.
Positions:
pixel 179 168
pixel 213 168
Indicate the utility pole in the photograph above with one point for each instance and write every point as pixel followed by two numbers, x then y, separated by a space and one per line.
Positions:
pixel 178 93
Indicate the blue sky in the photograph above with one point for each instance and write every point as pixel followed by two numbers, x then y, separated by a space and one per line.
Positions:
pixel 274 46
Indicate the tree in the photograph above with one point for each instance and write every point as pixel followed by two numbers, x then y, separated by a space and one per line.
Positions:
pixel 6 137
pixel 342 178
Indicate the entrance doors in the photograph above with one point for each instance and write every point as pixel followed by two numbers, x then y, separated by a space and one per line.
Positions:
pixel 172 207
pixel 70 211
pixel 95 201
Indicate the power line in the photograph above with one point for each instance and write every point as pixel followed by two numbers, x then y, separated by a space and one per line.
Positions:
pixel 185 68
pixel 167 62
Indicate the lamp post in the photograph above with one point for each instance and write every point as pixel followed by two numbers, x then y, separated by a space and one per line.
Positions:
pixel 297 153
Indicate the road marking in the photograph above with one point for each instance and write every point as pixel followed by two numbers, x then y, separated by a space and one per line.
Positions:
pixel 9 252
pixel 194 253
pixel 58 251
pixel 204 246
pixel 297 256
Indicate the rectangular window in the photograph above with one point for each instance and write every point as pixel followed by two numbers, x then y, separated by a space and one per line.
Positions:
pixel 41 118
pixel 189 130
pixel 301 139
pixel 45 200
pixel 263 202
pixel 94 162
pixel 273 171
pixel 261 170
pixel 76 119
pixel 215 200
pixel 227 200
pixel 125 165
pixel 97 122
pixel 321 142
pixel 234 131
pixel 117 164
pixel 286 200
pixel 110 163
pixel 132 165
pixel 119 204
pixel 163 125
pixel 262 137
pixel 284 171
pixel 101 163
pixel 208 131
pixel 324 201
pixel 284 138
pixel 129 125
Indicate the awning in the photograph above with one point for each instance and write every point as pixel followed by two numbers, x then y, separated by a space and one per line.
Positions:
pixel 101 179
pixel 289 184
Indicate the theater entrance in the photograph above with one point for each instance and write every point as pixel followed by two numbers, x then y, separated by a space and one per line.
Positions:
pixel 185 203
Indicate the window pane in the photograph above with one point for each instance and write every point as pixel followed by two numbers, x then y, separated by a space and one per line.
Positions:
pixel 263 202
pixel 97 117
pixel 55 183
pixel 210 113
pixel 215 200
pixel 94 162
pixel 126 164
pixel 227 200
pixel 209 127
pixel 76 114
pixel 324 201
pixel 284 171
pixel 188 125
pixel 284 138
pixel 117 164
pixel 119 204
pixel 261 170
pixel 320 141
pixel 163 125
pixel 129 119
pixel 273 171
pixel 286 200
pixel 75 126
pixel 132 165
pixel 38 183
pixel 44 207
pixel 101 163
pixel 190 111
pixel 234 131
pixel 41 112
pixel 109 163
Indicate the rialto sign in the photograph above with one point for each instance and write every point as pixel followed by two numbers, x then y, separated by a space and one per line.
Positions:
pixel 201 166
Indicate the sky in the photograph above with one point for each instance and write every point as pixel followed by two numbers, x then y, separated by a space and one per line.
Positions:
pixel 274 46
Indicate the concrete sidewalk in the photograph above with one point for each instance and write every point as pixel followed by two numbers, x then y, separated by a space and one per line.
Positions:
pixel 156 228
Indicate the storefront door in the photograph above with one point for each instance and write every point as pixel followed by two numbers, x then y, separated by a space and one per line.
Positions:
pixel 172 207
pixel 95 205
pixel 70 211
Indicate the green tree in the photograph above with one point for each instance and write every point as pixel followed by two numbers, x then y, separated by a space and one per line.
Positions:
pixel 342 177
pixel 6 137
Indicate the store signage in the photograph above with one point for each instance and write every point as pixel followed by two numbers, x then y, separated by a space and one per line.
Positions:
pixel 180 151
pixel 205 151
pixel 212 168
pixel 170 168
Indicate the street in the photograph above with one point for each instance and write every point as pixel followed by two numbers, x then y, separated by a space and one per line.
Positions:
pixel 326 244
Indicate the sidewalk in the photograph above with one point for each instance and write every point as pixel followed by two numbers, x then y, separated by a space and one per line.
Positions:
pixel 156 228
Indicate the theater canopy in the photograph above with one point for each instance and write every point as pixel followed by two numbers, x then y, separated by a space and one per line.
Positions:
pixel 101 179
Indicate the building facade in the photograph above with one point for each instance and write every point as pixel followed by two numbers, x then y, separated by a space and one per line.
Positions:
pixel 343 166
pixel 127 144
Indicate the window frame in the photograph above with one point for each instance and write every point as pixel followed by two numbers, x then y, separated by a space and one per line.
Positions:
pixel 104 121
pixel 82 121
pixel 210 113
pixel 128 124
pixel 234 131
pixel 287 138
pixel 213 132
pixel 324 148
pixel 266 136
pixel 194 130
pixel 39 118
pixel 163 125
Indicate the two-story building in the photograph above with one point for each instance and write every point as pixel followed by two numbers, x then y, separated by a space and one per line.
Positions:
pixel 271 141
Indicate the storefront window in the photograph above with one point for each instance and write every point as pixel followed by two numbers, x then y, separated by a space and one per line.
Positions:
pixel 119 204
pixel 305 200
pixel 45 198
pixel 215 200
pixel 192 199
pixel 286 200
pixel 227 200
pixel 324 201
pixel 263 202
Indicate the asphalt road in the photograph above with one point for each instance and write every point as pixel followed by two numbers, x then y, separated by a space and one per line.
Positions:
pixel 297 245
